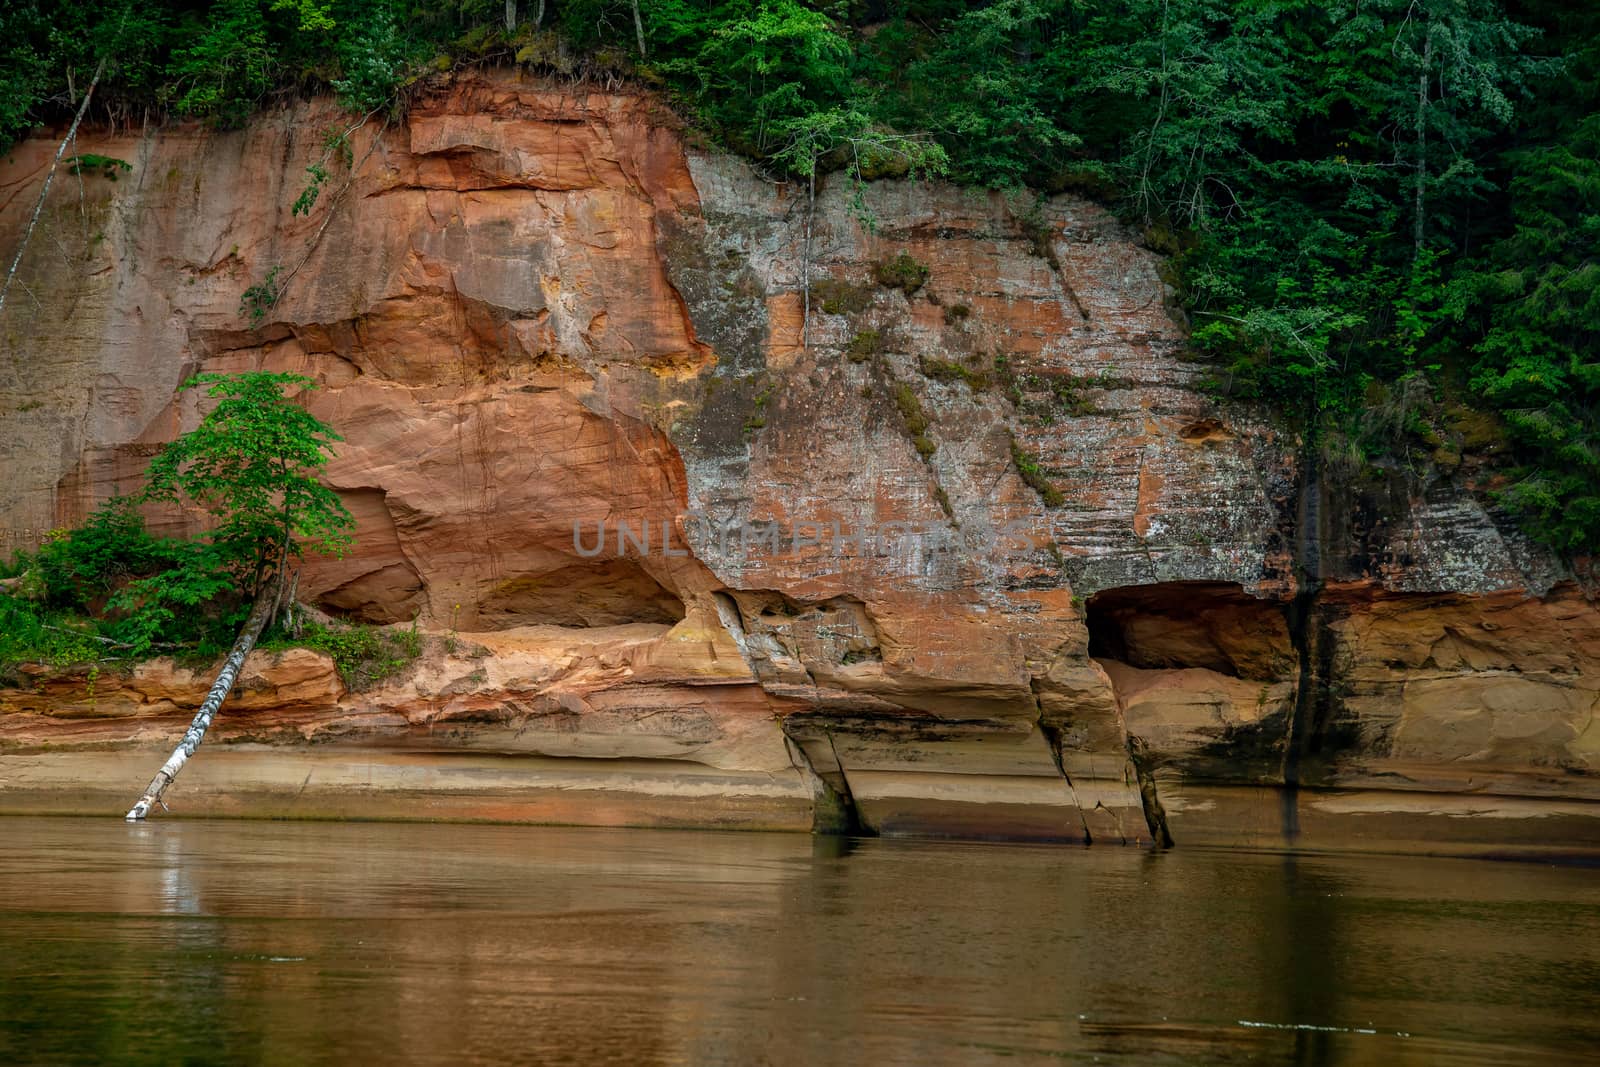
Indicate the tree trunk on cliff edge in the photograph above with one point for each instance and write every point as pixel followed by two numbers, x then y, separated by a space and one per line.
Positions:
pixel 48 178
pixel 263 611
pixel 638 28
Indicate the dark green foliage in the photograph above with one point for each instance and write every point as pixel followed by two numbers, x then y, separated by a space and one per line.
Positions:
pixel 316 174
pixel 80 567
pixel 252 464
pixel 216 60
pixel 106 166
pixel 373 53
pixel 31 634
pixel 975 81
pixel 226 68
pixel 258 299
pixel 141 592
pixel 1532 304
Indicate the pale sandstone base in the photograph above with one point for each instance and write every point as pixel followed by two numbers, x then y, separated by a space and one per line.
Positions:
pixel 261 781
pixel 1397 821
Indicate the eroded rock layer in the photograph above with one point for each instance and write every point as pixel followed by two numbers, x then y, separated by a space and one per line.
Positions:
pixel 899 509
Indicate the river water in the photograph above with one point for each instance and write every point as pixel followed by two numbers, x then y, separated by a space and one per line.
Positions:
pixel 304 943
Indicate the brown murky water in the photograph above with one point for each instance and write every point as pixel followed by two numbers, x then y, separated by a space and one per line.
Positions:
pixel 238 942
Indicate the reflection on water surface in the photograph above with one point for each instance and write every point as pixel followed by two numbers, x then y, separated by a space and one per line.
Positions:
pixel 333 943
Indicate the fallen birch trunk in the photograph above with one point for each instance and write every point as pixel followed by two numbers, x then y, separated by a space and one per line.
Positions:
pixel 266 606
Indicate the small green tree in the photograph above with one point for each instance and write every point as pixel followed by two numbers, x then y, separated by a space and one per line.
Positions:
pixel 251 464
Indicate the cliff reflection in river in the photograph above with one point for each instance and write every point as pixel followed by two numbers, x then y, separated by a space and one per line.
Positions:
pixel 330 943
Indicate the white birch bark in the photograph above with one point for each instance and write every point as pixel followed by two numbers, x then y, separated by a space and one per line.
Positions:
pixel 638 28
pixel 48 178
pixel 1419 226
pixel 257 622
pixel 805 260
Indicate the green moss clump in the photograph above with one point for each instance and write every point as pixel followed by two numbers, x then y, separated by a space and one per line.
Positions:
pixel 956 313
pixel 1007 378
pixel 863 346
pixel 910 409
pixel 1034 475
pixel 1069 397
pixel 977 378
pixel 901 272
pixel 758 417
pixel 838 297
pixel 1479 431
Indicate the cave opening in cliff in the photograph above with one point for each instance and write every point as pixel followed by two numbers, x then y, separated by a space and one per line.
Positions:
pixel 1216 626
pixel 602 593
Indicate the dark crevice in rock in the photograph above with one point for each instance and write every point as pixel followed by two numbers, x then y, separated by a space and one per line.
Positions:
pixel 1155 815
pixel 853 823
pixel 833 810
pixel 1041 237
pixel 1299 615
pixel 1053 737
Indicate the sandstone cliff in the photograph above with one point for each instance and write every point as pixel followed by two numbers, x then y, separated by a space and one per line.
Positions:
pixel 977 555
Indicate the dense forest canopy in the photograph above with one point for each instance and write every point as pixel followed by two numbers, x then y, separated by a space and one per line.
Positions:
pixel 1383 216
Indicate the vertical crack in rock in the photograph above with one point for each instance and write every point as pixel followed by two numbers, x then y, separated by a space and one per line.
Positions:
pixel 1114 815
pixel 1299 614
pixel 733 621
pixel 1155 815
pixel 1041 234
pixel 833 808
pixel 833 805
pixel 854 824
pixel 1053 738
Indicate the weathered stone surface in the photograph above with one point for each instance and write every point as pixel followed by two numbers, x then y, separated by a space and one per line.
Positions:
pixel 676 528
pixel 1494 693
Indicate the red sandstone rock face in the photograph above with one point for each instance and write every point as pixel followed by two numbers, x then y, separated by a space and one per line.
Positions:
pixel 536 318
